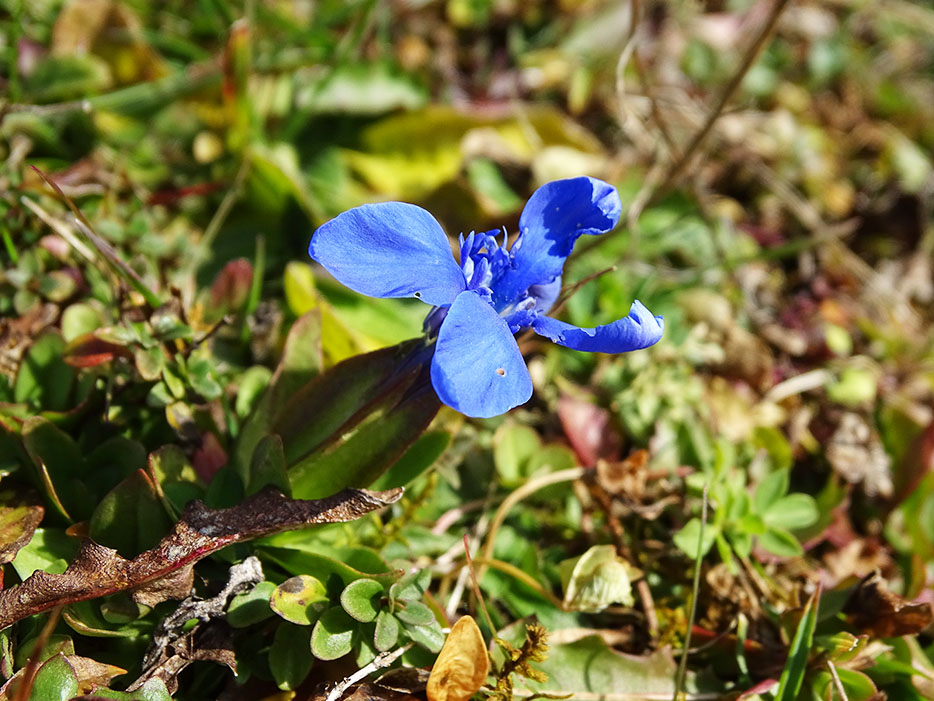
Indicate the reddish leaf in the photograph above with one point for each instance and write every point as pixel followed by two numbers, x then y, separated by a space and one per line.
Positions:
pixel 88 351
pixel 589 429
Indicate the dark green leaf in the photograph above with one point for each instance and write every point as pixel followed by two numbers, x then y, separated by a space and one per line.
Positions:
pixel 130 518
pixel 290 657
pixel 268 467
pixel 44 378
pixel 419 457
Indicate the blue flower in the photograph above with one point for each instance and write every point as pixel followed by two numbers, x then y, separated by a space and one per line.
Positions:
pixel 394 249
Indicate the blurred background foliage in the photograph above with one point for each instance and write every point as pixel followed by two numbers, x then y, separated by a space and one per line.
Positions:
pixel 774 161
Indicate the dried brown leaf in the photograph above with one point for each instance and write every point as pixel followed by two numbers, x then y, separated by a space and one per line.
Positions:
pixel 875 610
pixel 97 570
pixel 462 664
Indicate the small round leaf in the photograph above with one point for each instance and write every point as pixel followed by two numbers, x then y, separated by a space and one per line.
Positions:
pixel 252 606
pixel 361 599
pixel 299 600
pixel 332 636
pixel 415 613
pixel 387 631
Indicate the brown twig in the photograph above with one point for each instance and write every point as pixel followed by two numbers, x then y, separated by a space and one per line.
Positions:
pixel 752 53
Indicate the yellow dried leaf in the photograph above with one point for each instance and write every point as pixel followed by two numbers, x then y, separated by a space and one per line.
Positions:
pixel 462 664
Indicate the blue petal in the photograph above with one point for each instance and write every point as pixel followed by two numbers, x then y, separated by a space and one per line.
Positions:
pixel 545 295
pixel 638 330
pixel 390 249
pixel 477 367
pixel 556 215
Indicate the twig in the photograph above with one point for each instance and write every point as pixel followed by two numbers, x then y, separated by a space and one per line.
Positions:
pixel 24 690
pixel 476 587
pixel 381 661
pixel 530 487
pixel 752 53
pixel 836 681
pixel 695 587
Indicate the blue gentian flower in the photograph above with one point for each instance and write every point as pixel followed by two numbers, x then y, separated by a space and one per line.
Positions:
pixel 394 249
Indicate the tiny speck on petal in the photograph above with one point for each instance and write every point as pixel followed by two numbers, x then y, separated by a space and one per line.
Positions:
pixel 501 372
pixel 417 295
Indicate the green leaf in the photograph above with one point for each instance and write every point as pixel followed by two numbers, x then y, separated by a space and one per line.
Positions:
pixel 268 467
pixel 365 89
pixel 513 448
pixel 361 599
pixel 780 542
pixel 299 288
pixel 250 388
pixel 350 425
pixel 386 634
pixel 415 613
pixel 789 684
pixel 347 564
pixel 299 599
pixel 251 607
pixel 590 666
pixel 130 518
pixel 50 550
pixel 419 457
pixel 79 319
pixel 410 587
pixel 792 512
pixel 333 634
pixel 300 364
pixel 770 490
pixel 56 680
pixel 429 637
pixel 687 538
pixel 61 467
pixel 290 657
pixel 175 477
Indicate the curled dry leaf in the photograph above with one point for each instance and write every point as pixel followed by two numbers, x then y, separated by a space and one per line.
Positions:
pixel 462 664
pixel 97 571
pixel 877 611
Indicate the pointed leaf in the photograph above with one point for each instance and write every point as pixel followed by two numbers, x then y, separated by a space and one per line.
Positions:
pixel 267 467
pixel 56 680
pixel 130 518
pixel 796 665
